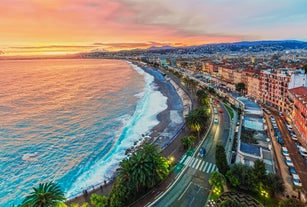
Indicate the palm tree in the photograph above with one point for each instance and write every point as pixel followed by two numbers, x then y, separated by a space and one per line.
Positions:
pixel 203 97
pixel 45 195
pixel 195 119
pixel 188 141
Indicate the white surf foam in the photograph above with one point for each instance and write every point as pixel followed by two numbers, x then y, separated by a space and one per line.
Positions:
pixel 143 120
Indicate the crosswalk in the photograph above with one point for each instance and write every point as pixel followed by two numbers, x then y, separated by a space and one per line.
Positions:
pixel 199 164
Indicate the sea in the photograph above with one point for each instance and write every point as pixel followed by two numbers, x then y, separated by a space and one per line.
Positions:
pixel 70 121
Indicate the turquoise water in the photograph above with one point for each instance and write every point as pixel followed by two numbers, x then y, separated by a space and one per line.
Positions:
pixel 70 121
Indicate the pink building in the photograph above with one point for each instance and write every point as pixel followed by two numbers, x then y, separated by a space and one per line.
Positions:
pixel 298 101
pixel 274 86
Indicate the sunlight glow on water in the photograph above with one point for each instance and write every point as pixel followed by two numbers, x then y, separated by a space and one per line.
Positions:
pixel 69 121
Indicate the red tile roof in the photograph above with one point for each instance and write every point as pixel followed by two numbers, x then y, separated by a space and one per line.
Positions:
pixel 300 93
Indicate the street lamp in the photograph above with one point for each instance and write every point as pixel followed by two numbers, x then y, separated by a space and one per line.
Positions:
pixel 265 195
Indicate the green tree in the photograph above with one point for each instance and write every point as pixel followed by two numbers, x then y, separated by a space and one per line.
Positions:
pixel 220 159
pixel 188 141
pixel 45 195
pixel 98 200
pixel 242 176
pixel 291 202
pixel 217 179
pixel 195 120
pixel 203 97
pixel 138 173
pixel 77 205
pixel 259 171
pixel 119 194
pixel 274 184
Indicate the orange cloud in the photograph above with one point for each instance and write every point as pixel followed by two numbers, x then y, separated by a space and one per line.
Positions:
pixel 123 24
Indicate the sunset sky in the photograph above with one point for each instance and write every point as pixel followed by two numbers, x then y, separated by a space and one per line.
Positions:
pixel 33 27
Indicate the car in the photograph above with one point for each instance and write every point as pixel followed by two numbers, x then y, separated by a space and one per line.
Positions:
pixel 298 145
pixel 280 140
pixel 289 127
pixel 296 180
pixel 285 151
pixel 303 151
pixel 289 161
pixel 292 171
pixel 202 152
pixel 216 120
pixel 215 111
pixel 221 111
pixel 293 137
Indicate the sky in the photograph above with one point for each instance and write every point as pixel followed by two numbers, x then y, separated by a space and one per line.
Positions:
pixel 50 27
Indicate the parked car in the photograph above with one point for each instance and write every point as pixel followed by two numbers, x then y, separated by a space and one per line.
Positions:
pixel 280 140
pixel 289 127
pixel 292 171
pixel 298 145
pixel 293 137
pixel 296 180
pixel 215 111
pixel 289 161
pixel 285 151
pixel 303 151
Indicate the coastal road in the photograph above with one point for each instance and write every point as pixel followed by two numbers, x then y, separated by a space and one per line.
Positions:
pixel 192 188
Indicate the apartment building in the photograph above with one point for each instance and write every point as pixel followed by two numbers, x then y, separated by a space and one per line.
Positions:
pixel 274 86
pixel 237 76
pixel 252 87
pixel 297 98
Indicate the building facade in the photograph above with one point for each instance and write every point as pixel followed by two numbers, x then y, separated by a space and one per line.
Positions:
pixel 274 87
pixel 298 99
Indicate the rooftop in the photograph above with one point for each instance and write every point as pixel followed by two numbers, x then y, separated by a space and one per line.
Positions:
pixel 250 149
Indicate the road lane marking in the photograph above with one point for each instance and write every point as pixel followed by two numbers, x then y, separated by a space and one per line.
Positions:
pixel 201 166
pixel 192 162
pixel 183 158
pixel 187 160
pixel 195 163
pixel 209 167
pixel 200 161
pixel 205 166
pixel 184 191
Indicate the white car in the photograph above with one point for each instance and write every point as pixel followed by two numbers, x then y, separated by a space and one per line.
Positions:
pixel 216 120
pixel 285 151
pixel 303 151
pixel 296 180
pixel 215 111
pixel 289 161
pixel 289 127
pixel 294 137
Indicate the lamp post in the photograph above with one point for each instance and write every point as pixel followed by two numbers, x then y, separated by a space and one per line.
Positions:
pixel 265 195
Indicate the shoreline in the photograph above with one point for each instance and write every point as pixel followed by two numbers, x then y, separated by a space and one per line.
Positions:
pixel 167 88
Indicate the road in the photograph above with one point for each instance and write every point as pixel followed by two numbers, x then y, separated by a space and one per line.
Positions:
pixel 192 188
pixel 297 159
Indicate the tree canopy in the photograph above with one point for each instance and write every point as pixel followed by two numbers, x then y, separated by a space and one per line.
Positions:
pixel 220 159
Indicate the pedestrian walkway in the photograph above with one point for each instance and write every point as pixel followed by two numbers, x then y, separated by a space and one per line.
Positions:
pixel 199 164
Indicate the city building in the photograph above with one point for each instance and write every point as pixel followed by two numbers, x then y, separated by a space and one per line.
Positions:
pixel 274 87
pixel 298 78
pixel 298 101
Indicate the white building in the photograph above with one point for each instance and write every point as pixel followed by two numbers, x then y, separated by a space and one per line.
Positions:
pixel 298 79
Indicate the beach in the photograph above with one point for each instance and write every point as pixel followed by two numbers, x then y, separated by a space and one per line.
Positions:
pixel 171 123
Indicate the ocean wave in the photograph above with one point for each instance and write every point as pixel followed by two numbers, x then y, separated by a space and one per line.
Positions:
pixel 141 122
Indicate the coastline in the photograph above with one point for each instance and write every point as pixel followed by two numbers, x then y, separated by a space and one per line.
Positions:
pixel 163 133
